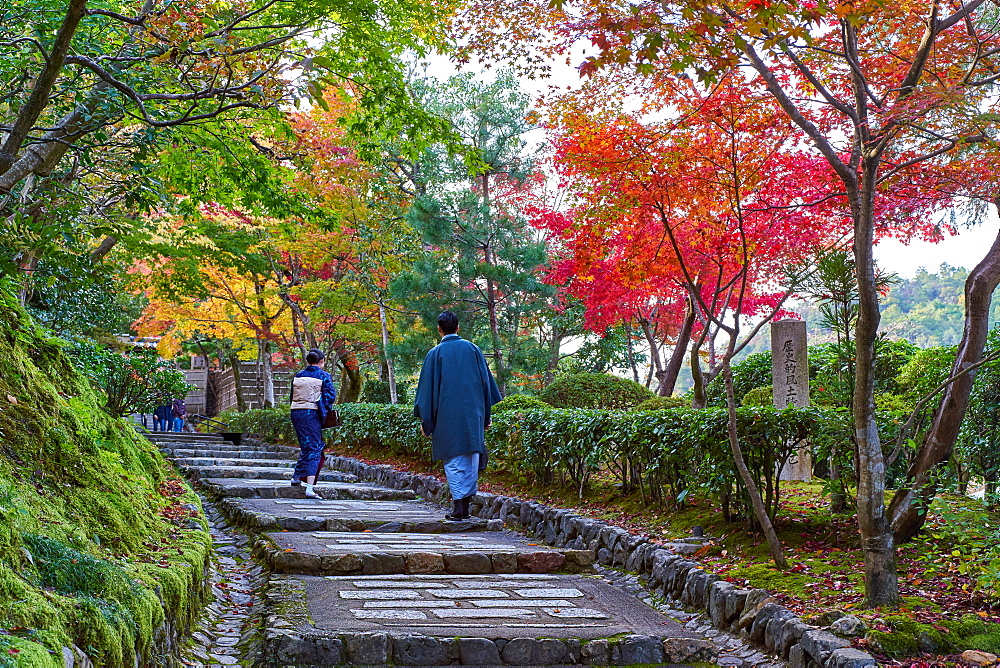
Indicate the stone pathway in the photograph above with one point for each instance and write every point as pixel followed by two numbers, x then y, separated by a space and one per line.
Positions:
pixel 373 576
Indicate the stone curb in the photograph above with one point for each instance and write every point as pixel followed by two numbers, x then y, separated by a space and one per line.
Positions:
pixel 755 614
pixel 290 639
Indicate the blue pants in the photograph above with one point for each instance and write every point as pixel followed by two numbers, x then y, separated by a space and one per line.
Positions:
pixel 309 432
pixel 178 424
pixel 462 473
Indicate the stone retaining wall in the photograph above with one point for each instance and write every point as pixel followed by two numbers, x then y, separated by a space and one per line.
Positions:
pixel 755 614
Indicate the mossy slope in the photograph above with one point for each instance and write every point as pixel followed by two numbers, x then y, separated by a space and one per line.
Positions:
pixel 92 551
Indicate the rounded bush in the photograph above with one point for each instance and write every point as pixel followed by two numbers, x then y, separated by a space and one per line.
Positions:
pixel 660 403
pixel 594 390
pixel 518 402
pixel 377 392
pixel 759 396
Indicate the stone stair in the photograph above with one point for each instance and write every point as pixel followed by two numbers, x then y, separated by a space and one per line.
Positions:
pixel 374 575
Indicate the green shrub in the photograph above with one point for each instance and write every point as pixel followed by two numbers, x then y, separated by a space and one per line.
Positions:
pixel 518 402
pixel 661 403
pixel 377 392
pixel 380 427
pixel 759 396
pixel 270 424
pixel 133 382
pixel 594 390
pixel 754 371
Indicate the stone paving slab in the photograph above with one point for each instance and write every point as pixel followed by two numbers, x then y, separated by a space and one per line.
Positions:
pixel 497 606
pixel 269 489
pixel 348 515
pixel 261 473
pixel 336 553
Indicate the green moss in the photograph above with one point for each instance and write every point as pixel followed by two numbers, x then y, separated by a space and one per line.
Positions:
pixel 907 634
pixel 16 651
pixel 86 555
pixel 967 625
pixel 767 576
pixel 894 643
pixel 985 642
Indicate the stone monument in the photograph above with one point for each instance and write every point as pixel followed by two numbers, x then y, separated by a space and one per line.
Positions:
pixel 790 385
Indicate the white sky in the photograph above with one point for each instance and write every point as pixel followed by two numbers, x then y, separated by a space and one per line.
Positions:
pixel 964 250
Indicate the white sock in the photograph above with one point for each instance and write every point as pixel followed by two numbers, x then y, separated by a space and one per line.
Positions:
pixel 309 489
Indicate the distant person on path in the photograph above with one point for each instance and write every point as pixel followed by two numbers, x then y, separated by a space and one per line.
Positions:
pixel 179 412
pixel 454 397
pixel 162 419
pixel 312 398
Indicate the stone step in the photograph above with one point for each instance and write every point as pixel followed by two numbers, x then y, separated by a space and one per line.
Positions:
pixel 420 620
pixel 368 553
pixel 181 437
pixel 349 515
pixel 249 472
pixel 244 488
pixel 199 462
pixel 234 453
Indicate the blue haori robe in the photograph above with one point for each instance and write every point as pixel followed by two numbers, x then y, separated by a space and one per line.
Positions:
pixel 454 396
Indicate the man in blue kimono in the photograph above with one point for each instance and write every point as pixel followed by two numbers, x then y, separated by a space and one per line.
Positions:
pixel 454 396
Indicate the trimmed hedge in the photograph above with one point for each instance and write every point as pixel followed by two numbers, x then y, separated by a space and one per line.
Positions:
pixel 519 402
pixel 659 403
pixel 594 390
pixel 665 455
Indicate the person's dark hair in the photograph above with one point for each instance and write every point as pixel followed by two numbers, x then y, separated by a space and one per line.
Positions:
pixel 448 322
pixel 314 356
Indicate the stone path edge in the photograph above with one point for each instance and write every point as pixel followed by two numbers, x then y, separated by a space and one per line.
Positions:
pixel 755 614
pixel 290 638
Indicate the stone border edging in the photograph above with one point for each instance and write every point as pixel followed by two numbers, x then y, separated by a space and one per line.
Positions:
pixel 755 613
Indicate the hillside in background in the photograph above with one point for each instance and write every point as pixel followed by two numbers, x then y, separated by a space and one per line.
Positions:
pixel 926 310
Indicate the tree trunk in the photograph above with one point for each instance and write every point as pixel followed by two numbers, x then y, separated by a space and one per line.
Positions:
pixel 881 586
pixel 267 369
pixel 699 396
pixel 838 499
pixel 390 366
pixel 234 364
pixel 673 369
pixel 103 249
pixel 908 509
pixel 39 98
pixel 554 356
pixel 350 378
pixel 759 509
pixel 631 351
pixel 656 365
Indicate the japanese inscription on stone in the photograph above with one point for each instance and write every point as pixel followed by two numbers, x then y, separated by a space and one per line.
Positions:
pixel 790 384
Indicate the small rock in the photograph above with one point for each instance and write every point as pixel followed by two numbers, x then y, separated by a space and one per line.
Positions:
pixel 827 618
pixel 540 562
pixel 848 626
pixel 978 658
